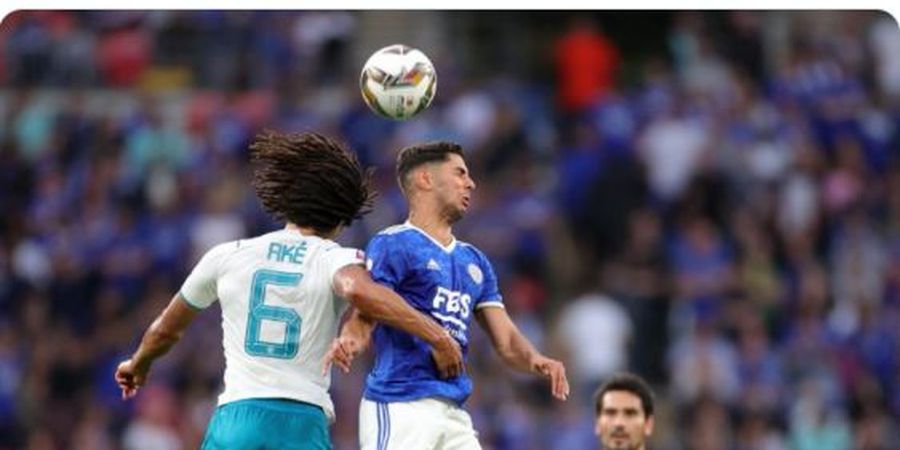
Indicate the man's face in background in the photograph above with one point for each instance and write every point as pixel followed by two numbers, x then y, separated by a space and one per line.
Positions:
pixel 622 423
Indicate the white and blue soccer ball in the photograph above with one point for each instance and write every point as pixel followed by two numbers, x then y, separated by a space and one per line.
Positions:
pixel 398 82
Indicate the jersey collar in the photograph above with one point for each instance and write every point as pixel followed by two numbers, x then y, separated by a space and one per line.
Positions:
pixel 447 248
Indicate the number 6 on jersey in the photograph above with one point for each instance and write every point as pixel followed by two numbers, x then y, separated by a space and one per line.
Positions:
pixel 260 311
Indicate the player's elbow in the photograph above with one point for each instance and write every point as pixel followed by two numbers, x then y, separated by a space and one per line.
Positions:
pixel 355 292
pixel 351 285
pixel 355 296
pixel 364 294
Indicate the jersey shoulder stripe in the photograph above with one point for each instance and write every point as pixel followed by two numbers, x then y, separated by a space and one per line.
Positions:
pixel 481 256
pixel 395 229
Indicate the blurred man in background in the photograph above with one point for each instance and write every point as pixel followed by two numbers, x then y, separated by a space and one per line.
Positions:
pixel 624 411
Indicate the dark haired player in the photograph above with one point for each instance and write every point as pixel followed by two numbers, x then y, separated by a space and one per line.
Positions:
pixel 280 295
pixel 406 404
pixel 624 409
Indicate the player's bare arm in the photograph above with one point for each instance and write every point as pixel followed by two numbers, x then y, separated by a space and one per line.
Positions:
pixel 515 350
pixel 354 339
pixel 384 305
pixel 161 335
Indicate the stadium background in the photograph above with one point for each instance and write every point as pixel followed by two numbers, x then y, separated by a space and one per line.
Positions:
pixel 711 199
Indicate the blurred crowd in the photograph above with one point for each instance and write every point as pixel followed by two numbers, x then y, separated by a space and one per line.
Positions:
pixel 721 216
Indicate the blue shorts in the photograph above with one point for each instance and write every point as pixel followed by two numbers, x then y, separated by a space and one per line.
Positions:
pixel 267 423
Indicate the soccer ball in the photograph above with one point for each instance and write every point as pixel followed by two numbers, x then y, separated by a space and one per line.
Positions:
pixel 398 82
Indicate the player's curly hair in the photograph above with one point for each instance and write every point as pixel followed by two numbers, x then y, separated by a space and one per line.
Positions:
pixel 310 180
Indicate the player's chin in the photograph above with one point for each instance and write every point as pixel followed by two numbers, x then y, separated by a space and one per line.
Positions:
pixel 455 214
pixel 617 443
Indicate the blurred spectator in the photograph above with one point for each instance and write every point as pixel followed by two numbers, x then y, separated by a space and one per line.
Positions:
pixel 815 423
pixel 708 427
pixel 884 38
pixel 154 427
pixel 703 267
pixel 586 63
pixel 596 331
pixel 703 364
pixel 123 55
pixel 638 275
pixel 673 148
pixel 759 367
pixel 755 432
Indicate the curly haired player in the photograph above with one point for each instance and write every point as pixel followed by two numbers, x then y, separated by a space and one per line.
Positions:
pixel 280 295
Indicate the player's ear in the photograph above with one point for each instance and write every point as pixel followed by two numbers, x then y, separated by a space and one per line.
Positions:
pixel 424 179
pixel 648 426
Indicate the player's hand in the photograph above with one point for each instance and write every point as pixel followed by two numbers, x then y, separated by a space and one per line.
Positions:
pixel 447 357
pixel 343 351
pixel 555 372
pixel 130 378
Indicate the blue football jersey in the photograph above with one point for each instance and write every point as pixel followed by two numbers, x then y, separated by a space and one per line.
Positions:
pixel 446 283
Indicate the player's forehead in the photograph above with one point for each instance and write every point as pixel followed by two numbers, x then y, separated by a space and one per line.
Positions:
pixel 621 400
pixel 453 162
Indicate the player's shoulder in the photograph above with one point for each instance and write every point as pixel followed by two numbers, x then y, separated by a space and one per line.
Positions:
pixel 471 250
pixel 249 243
pixel 216 255
pixel 327 246
pixel 255 243
pixel 226 248
pixel 393 235
pixel 399 229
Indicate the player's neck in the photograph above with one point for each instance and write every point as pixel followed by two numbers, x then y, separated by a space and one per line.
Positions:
pixel 433 226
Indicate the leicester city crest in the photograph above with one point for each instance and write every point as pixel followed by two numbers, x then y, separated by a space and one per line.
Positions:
pixel 476 274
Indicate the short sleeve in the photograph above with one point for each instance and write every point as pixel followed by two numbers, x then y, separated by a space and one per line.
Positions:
pixel 385 263
pixel 199 289
pixel 336 257
pixel 490 295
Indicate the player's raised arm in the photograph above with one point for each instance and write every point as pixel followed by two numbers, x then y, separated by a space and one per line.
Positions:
pixel 518 353
pixel 384 305
pixel 161 335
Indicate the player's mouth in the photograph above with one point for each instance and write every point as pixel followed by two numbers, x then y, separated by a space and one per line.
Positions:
pixel 465 201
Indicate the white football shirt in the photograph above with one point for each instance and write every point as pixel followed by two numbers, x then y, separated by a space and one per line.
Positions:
pixel 279 312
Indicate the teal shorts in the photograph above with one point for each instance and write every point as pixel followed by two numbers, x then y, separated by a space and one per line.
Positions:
pixel 267 423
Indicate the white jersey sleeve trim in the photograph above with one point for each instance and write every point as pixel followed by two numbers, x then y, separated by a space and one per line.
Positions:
pixel 189 302
pixel 490 304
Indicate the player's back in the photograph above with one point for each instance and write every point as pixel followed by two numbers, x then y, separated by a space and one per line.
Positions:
pixel 279 312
